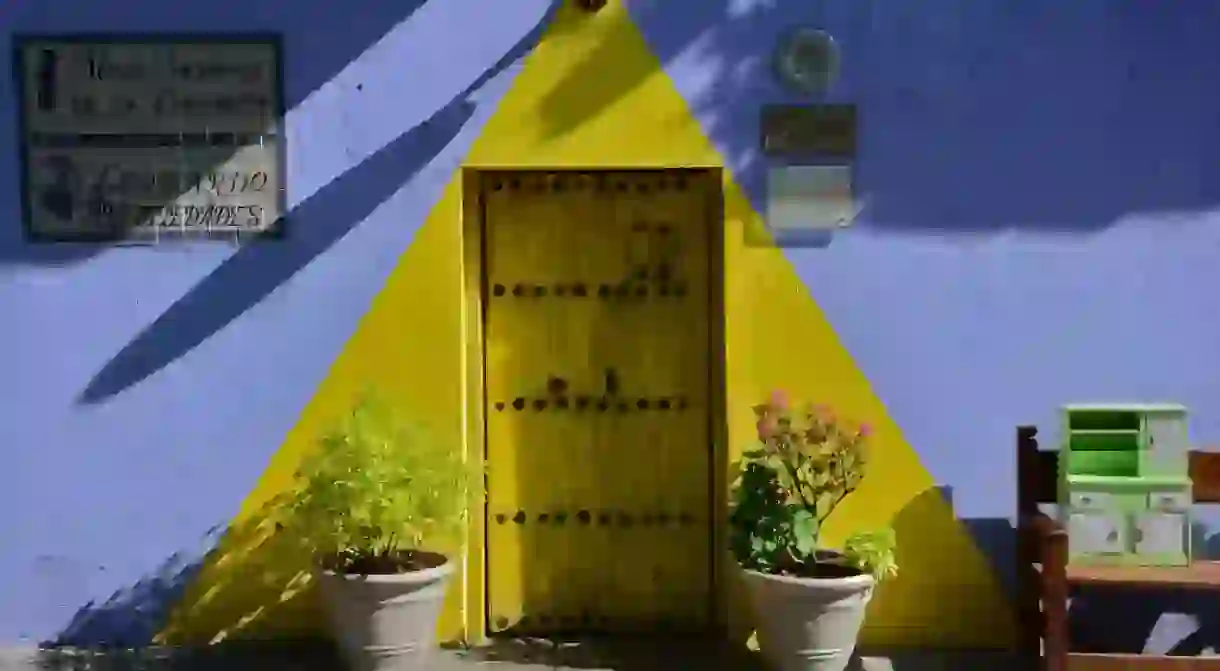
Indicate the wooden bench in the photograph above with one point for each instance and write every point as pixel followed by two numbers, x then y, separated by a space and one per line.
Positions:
pixel 1044 579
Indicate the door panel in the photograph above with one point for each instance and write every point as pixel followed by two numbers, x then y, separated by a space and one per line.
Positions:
pixel 1096 533
pixel 598 420
pixel 1168 445
pixel 1163 535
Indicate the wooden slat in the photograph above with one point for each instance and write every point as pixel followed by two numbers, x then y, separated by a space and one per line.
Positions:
pixel 1205 473
pixel 1133 662
pixel 1201 576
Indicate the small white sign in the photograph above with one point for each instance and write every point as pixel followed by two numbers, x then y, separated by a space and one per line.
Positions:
pixel 139 139
pixel 804 198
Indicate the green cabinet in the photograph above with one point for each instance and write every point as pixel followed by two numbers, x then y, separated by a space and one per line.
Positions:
pixel 1124 485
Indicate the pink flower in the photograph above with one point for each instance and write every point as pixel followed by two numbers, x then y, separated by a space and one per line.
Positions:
pixel 779 399
pixel 766 428
pixel 865 431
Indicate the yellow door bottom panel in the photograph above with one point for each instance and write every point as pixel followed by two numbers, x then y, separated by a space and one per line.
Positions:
pixel 598 414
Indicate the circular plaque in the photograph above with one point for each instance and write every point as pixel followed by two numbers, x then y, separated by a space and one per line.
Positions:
pixel 807 61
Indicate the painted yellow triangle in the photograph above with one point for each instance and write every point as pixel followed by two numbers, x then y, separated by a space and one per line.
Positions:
pixel 407 346
pixel 592 95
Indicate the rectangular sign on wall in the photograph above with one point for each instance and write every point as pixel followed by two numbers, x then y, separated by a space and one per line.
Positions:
pixel 151 138
pixel 806 203
pixel 802 132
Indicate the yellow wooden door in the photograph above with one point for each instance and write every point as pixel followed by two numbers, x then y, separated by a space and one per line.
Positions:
pixel 598 380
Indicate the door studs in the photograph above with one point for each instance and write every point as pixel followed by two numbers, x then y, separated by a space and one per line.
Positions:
pixel 612 382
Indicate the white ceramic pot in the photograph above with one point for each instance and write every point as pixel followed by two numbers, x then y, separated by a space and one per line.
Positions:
pixel 808 624
pixel 386 622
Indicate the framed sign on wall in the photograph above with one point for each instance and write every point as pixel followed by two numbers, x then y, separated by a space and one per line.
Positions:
pixel 151 137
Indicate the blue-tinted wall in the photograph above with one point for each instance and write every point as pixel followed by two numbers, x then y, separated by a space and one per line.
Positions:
pixel 1041 226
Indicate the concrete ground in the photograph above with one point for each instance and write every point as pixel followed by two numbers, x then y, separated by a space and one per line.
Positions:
pixel 619 655
pixel 660 654
pixel 692 655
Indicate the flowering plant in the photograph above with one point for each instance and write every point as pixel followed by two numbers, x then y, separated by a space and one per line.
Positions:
pixel 806 463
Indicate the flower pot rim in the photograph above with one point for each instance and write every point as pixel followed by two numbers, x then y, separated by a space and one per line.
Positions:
pixel 862 580
pixel 423 575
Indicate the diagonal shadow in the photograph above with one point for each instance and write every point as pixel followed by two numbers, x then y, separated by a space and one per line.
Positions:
pixel 132 615
pixel 318 223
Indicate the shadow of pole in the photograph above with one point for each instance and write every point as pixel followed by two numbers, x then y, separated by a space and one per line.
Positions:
pixel 259 268
pixel 316 225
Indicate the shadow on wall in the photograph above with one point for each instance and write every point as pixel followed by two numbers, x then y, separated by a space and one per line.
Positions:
pixel 132 615
pixel 965 127
pixel 928 545
pixel 257 269
pixel 264 584
pixel 317 223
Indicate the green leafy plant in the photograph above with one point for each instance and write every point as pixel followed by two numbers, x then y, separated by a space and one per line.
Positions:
pixel 873 552
pixel 376 490
pixel 806 463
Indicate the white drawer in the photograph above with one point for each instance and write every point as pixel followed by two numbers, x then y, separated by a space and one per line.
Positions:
pixel 1093 500
pixel 1169 501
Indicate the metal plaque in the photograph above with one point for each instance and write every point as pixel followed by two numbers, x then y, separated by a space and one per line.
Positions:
pixel 809 131
pixel 151 138
pixel 803 198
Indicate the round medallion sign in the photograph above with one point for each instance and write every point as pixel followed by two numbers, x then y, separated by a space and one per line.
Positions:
pixel 807 61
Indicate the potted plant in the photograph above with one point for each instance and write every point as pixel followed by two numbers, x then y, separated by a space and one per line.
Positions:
pixel 809 600
pixel 373 503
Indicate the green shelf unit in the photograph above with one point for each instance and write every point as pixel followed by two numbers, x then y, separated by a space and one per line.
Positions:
pixel 1124 483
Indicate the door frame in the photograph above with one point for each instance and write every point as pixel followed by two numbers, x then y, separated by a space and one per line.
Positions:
pixel 474 289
